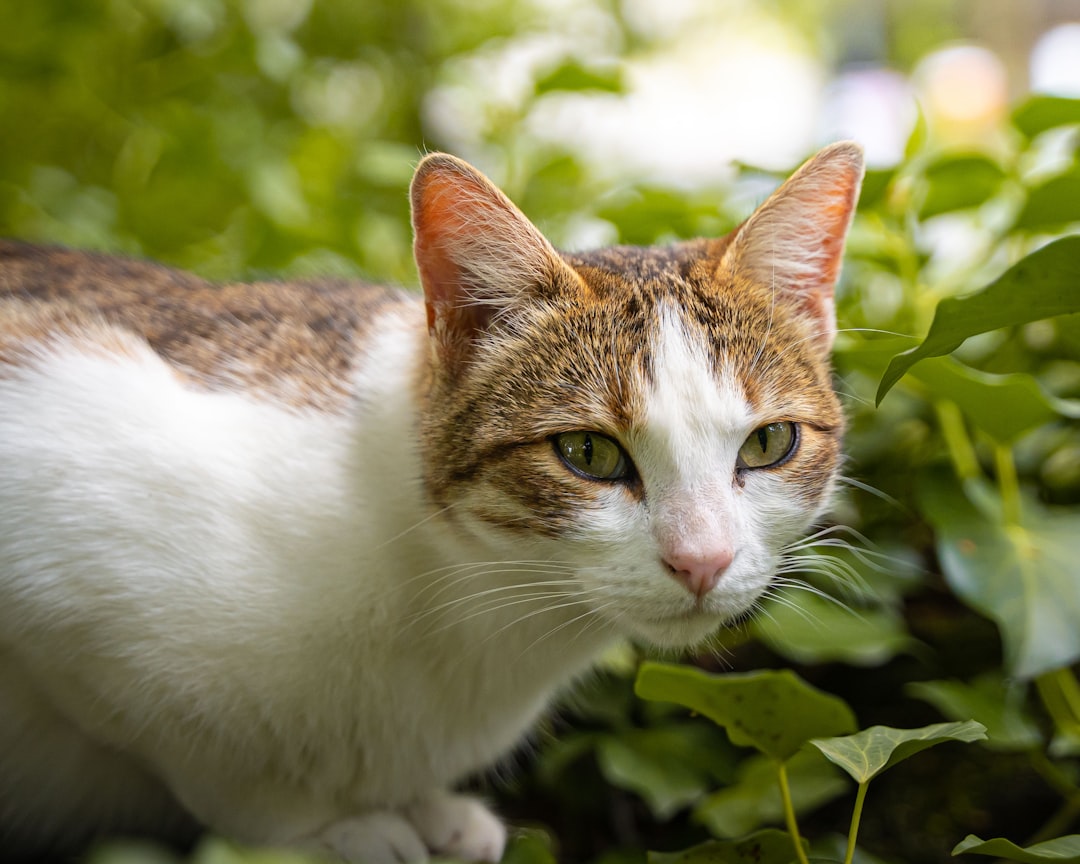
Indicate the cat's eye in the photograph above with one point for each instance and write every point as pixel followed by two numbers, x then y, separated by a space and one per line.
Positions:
pixel 592 454
pixel 769 445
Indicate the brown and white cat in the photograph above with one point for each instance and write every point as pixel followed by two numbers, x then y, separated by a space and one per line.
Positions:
pixel 289 560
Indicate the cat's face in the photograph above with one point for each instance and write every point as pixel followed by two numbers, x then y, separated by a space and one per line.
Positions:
pixel 661 418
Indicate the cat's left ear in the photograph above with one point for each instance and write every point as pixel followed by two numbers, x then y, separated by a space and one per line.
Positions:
pixel 478 255
pixel 795 240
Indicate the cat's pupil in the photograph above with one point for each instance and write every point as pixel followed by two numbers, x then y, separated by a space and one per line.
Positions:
pixel 586 449
pixel 763 438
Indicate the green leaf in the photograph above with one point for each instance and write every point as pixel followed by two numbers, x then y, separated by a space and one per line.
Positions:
pixel 958 182
pixel 574 76
pixel 1052 204
pixel 215 850
pixel 819 630
pixel 875 187
pixel 1022 576
pixel 998 705
pixel 775 711
pixel 1002 406
pixel 670 767
pixel 866 754
pixel 754 799
pixel 762 847
pixel 1042 285
pixel 1040 113
pixel 528 846
pixel 131 852
pixel 1060 850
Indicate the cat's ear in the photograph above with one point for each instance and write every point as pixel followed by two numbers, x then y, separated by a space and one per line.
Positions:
pixel 478 255
pixel 795 240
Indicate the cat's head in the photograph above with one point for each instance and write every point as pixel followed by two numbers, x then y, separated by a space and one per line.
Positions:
pixel 661 418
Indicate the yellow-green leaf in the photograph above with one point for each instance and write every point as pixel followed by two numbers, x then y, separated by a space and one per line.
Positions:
pixel 866 754
pixel 774 711
pixel 1060 850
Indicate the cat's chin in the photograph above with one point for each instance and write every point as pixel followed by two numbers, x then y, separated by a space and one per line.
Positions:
pixel 680 630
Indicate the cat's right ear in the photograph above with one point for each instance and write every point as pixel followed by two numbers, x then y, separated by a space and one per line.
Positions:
pixel 795 240
pixel 478 255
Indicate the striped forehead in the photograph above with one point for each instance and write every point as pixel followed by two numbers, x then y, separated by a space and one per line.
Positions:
pixel 695 408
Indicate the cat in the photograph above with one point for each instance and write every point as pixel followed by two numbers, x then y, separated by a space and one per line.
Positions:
pixel 289 560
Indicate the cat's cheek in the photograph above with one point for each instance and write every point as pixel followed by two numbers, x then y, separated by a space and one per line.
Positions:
pixel 811 474
pixel 529 491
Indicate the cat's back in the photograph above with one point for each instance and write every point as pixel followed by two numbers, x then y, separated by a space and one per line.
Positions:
pixel 292 341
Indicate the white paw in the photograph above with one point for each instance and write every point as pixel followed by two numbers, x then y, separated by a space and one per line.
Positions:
pixel 381 837
pixel 458 827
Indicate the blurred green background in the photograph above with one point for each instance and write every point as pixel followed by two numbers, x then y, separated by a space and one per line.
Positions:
pixel 244 138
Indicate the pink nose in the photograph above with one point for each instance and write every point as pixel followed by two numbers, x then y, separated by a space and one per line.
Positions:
pixel 699 570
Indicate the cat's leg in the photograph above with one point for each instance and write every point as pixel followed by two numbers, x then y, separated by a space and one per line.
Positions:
pixel 452 826
pixel 58 787
pixel 458 826
pixel 379 837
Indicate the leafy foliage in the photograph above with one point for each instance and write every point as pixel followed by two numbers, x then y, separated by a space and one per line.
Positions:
pixel 246 137
pixel 1042 285
pixel 775 712
pixel 1065 850
pixel 866 754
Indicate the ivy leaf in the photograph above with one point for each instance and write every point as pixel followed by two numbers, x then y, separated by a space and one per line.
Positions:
pixel 762 847
pixel 820 630
pixel 998 705
pixel 958 182
pixel 754 799
pixel 1021 576
pixel 1051 204
pixel 1040 113
pixel 1002 406
pixel 528 846
pixel 775 711
pixel 131 852
pixel 866 754
pixel 575 77
pixel 1042 285
pixel 1060 850
pixel 670 766
pixel 875 187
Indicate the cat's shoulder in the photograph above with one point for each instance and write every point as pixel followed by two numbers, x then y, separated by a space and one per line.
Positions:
pixel 291 340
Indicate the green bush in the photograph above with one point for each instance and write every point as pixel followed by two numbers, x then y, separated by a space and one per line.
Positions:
pixel 243 138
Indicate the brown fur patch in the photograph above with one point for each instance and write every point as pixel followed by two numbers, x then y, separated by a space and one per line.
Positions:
pixel 290 341
pixel 584 360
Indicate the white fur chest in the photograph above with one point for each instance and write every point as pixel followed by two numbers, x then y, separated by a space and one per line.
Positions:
pixel 249 598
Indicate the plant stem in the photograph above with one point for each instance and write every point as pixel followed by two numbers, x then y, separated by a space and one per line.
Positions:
pixel 856 817
pixel 1008 484
pixel 1056 824
pixel 789 812
pixel 1070 690
pixel 1060 694
pixel 1055 778
pixel 957 441
pixel 1060 783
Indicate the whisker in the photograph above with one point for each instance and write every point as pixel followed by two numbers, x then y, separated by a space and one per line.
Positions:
pixel 588 613
pixel 412 528
pixel 473 597
pixel 533 614
pixel 871 490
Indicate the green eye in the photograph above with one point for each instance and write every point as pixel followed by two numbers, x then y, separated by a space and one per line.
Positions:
pixel 592 454
pixel 768 446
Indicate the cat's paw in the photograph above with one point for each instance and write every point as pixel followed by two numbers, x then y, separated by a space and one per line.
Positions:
pixel 458 827
pixel 381 837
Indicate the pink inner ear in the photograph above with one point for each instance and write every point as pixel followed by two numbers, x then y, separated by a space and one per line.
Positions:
pixel 437 217
pixel 795 240
pixel 477 254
